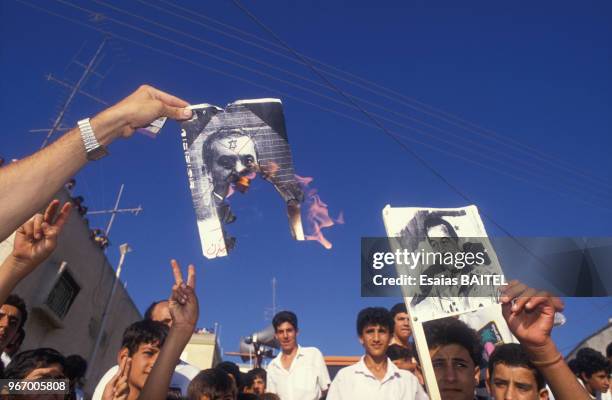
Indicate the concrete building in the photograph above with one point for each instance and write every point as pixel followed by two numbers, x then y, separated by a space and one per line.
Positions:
pixel 202 350
pixel 66 296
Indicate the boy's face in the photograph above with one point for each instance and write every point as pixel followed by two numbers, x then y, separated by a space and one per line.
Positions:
pixel 10 318
pixel 513 382
pixel 456 373
pixel 287 336
pixel 375 340
pixel 598 382
pixel 142 363
pixel 259 386
pixel 402 326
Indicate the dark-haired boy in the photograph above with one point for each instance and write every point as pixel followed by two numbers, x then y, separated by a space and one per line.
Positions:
pixel 375 376
pixel 593 371
pixel 42 363
pixel 183 373
pixel 401 328
pixel 255 381
pixel 530 315
pixel 141 341
pixel 456 353
pixel 13 316
pixel 212 384
pixel 297 373
pixel 510 375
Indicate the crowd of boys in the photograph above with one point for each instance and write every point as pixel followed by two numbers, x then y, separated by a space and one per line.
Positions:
pixel 148 360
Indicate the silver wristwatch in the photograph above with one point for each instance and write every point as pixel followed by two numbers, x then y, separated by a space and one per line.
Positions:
pixel 94 150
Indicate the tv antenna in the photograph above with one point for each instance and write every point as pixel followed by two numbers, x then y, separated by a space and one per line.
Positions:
pixel 116 210
pixel 75 89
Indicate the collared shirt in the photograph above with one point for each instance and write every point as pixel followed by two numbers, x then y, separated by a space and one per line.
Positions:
pixel 5 359
pixel 183 374
pixel 357 382
pixel 306 378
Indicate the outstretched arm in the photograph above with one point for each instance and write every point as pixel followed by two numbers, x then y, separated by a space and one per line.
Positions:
pixel 34 242
pixel 530 315
pixel 28 184
pixel 184 310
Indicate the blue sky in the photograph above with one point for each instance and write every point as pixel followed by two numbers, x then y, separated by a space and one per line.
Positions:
pixel 536 74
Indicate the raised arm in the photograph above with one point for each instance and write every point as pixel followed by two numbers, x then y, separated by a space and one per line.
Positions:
pixel 28 184
pixel 530 315
pixel 184 310
pixel 34 242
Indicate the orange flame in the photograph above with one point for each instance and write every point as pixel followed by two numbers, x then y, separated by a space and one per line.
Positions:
pixel 269 169
pixel 232 187
pixel 317 214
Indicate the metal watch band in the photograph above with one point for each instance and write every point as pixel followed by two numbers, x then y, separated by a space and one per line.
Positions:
pixel 94 150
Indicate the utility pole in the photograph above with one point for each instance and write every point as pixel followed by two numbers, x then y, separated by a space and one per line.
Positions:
pixel 75 89
pixel 123 250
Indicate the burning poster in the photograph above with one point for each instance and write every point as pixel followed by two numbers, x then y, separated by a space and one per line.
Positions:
pixel 225 149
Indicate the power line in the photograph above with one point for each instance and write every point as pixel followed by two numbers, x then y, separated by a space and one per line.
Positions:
pixel 370 103
pixel 421 160
pixel 223 72
pixel 350 104
pixel 429 110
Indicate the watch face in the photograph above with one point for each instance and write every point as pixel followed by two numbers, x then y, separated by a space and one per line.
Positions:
pixel 97 153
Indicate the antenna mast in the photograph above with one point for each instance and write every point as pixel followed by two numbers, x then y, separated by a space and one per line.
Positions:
pixel 75 89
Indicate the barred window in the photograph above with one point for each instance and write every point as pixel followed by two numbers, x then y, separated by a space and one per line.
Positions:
pixel 63 294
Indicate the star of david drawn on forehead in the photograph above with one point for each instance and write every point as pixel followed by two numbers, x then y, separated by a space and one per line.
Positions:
pixel 232 144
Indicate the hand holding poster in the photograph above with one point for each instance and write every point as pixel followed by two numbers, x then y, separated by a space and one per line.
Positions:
pixel 448 271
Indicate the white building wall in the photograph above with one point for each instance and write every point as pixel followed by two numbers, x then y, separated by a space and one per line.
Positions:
pixel 76 332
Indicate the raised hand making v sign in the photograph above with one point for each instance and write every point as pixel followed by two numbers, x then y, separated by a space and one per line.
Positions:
pixel 184 310
pixel 34 242
pixel 118 388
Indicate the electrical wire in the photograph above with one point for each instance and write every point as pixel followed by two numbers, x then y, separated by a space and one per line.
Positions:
pixel 457 136
pixel 579 191
pixel 422 107
pixel 287 95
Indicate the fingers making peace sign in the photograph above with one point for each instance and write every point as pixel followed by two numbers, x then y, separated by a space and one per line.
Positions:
pixel 118 387
pixel 36 239
pixel 183 302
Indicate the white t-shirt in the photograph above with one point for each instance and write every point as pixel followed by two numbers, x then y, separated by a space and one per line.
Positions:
pixel 606 396
pixel 182 376
pixel 356 382
pixel 306 378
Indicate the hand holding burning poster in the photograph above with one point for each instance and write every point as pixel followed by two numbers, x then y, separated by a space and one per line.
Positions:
pixel 225 149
